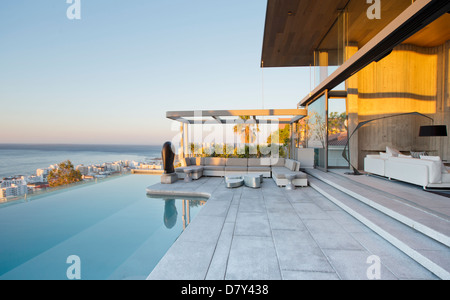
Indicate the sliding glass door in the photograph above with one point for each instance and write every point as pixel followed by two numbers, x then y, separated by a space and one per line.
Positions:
pixel 317 130
pixel 337 132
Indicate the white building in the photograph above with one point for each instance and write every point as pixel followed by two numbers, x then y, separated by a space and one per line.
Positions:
pixel 14 190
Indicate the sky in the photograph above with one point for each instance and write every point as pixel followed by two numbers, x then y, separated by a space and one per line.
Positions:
pixel 111 76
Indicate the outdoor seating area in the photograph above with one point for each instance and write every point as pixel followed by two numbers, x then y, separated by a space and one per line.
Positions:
pixel 285 172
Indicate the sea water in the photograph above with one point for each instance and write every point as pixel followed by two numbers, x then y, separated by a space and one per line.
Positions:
pixel 24 159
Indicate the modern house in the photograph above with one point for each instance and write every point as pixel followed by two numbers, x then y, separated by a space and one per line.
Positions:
pixel 372 60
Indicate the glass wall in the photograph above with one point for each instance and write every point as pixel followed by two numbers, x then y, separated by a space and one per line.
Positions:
pixel 316 130
pixel 337 132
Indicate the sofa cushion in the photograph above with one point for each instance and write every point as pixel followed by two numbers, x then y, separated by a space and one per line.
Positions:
pixel 236 168
pixel 197 161
pixel 290 164
pixel 185 162
pixel 259 169
pixel 282 175
pixel 297 165
pixel 415 154
pixel 236 161
pixel 259 162
pixel 446 177
pixel 195 169
pixel 215 161
pixel 277 161
pixel 434 167
pixel 438 159
pixel 392 151
pixel 214 168
pixel 384 155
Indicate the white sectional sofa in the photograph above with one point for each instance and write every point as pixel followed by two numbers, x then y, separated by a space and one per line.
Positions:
pixel 268 166
pixel 427 172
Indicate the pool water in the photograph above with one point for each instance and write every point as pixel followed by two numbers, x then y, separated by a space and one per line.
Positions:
pixel 112 228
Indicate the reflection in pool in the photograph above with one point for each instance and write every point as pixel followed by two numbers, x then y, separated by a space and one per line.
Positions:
pixel 116 230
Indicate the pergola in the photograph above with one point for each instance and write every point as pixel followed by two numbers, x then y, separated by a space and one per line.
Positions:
pixel 257 116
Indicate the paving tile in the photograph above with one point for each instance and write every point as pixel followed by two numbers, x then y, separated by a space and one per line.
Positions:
pixel 185 260
pixel 321 226
pixel 297 250
pixel 252 205
pixel 252 224
pixel 217 208
pixel 310 211
pixel 348 222
pixel 252 258
pixel 308 275
pixel 218 266
pixel 353 265
pixel 337 240
pixel 288 220
pixel 204 229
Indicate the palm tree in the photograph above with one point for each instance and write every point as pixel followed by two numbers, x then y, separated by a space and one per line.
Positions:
pixel 246 130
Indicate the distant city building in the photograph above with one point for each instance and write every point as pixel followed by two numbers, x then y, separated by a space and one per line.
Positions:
pixel 19 185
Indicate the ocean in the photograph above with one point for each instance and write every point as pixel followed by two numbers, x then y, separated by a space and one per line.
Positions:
pixel 24 159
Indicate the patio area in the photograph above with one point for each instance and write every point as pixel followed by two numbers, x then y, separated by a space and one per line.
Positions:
pixel 274 233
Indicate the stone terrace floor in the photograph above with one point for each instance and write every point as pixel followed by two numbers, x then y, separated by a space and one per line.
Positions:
pixel 271 234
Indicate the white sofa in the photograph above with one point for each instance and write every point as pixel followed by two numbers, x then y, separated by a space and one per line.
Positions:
pixel 425 172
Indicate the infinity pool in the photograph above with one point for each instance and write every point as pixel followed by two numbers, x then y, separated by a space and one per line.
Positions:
pixel 112 229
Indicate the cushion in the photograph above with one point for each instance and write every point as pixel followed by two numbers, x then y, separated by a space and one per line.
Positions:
pixel 186 162
pixel 446 177
pixel 259 169
pixel 436 158
pixel 373 156
pixel 236 168
pixel 434 167
pixel 215 161
pixel 405 156
pixel 277 161
pixel 418 154
pixel 392 151
pixel 258 162
pixel 198 161
pixel 290 164
pixel 297 165
pixel 214 168
pixel 384 155
pixel 236 162
pixel 282 175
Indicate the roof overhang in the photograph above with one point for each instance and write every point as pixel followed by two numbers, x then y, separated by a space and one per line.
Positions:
pixel 413 19
pixel 280 116
pixel 295 28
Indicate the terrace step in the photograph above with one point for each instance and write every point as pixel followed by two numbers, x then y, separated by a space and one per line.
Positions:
pixel 420 217
pixel 391 225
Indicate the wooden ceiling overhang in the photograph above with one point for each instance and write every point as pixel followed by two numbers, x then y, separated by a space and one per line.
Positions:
pixel 412 20
pixel 294 29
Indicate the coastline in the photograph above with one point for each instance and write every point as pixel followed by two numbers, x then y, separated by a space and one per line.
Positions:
pixel 53 190
pixel 23 177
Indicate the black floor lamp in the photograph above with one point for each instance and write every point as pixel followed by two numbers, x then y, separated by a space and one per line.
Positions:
pixel 429 130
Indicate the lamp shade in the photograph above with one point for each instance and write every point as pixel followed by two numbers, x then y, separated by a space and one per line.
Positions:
pixel 433 130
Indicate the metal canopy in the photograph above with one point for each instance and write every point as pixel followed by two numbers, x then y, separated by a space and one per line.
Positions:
pixel 232 116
